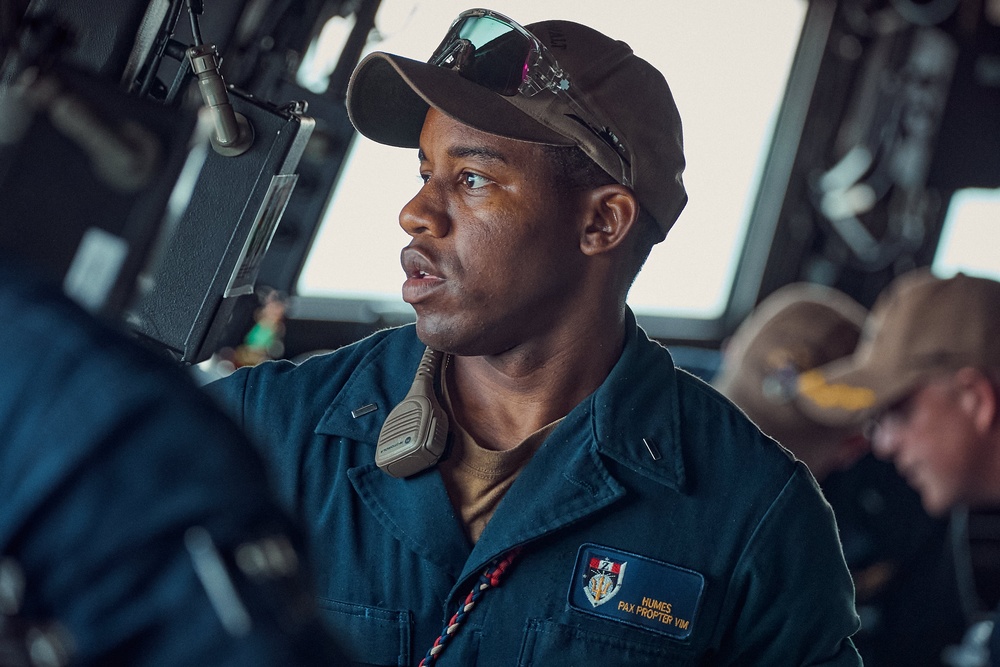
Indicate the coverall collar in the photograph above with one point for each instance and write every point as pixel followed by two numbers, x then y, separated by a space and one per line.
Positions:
pixel 569 471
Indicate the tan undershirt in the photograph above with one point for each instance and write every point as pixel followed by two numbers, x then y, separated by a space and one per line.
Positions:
pixel 477 478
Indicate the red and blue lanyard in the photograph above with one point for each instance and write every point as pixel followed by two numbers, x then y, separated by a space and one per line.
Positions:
pixel 491 577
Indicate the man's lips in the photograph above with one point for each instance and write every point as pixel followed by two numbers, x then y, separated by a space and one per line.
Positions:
pixel 422 276
pixel 416 264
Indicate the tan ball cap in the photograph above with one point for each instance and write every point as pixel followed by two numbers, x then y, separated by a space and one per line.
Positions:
pixel 919 326
pixel 797 328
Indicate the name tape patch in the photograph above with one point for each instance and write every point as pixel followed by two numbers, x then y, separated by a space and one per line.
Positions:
pixel 636 590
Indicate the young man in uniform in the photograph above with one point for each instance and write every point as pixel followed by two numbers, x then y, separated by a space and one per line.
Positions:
pixel 594 505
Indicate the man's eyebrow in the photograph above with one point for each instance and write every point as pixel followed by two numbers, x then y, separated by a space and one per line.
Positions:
pixel 480 152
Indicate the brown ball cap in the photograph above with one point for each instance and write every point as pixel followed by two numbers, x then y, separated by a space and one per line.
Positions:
pixel 388 98
pixel 919 326
pixel 796 328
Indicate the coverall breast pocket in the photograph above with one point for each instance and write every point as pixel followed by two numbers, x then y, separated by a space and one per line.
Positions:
pixel 550 644
pixel 368 635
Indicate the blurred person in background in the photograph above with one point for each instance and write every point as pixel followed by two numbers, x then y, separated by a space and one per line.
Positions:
pixel 924 382
pixel 897 554
pixel 798 327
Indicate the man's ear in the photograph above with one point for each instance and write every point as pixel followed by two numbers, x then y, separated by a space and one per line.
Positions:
pixel 611 212
pixel 978 397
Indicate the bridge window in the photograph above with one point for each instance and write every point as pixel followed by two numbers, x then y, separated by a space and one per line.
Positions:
pixel 727 64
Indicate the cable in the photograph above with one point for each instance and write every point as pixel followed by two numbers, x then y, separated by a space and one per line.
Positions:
pixel 193 14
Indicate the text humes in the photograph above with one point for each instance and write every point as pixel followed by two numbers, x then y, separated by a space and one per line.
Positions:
pixel 656 604
pixel 654 610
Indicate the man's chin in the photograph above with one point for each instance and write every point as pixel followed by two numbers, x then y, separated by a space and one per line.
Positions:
pixel 935 504
pixel 451 337
pixel 433 333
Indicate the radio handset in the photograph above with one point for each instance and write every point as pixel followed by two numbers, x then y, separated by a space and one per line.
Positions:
pixel 414 434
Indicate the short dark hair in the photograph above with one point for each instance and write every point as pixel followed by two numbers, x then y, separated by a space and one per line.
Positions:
pixel 573 171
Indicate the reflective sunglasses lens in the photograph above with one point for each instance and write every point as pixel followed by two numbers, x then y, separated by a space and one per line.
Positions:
pixel 499 54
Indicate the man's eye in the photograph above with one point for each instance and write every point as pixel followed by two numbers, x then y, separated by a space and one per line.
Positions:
pixel 425 177
pixel 474 181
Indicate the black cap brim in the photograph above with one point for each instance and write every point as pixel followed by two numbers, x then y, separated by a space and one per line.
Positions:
pixel 388 98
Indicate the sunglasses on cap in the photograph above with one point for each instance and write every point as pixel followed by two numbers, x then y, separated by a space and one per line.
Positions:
pixel 497 53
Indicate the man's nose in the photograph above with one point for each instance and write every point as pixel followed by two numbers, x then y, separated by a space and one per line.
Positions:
pixel 425 213
pixel 884 440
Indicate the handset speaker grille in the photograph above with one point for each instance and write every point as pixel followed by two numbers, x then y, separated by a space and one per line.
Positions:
pixel 414 434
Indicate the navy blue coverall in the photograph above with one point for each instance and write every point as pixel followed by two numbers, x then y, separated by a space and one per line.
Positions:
pixel 711 545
